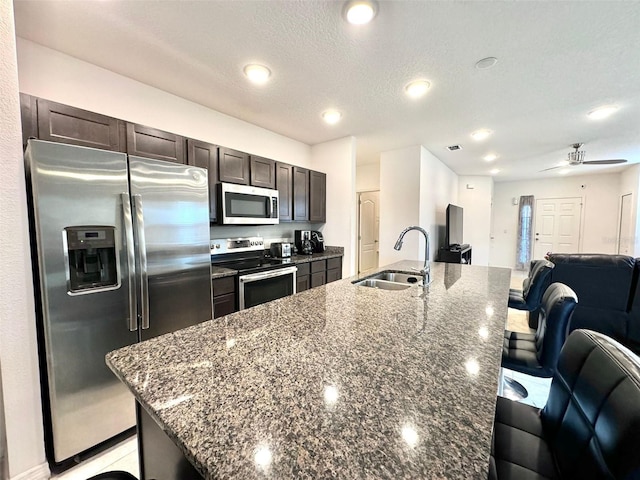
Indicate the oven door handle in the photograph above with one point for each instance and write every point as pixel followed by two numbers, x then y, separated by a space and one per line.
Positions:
pixel 254 277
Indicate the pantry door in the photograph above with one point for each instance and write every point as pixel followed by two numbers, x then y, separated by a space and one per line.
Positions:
pixel 557 226
pixel 369 226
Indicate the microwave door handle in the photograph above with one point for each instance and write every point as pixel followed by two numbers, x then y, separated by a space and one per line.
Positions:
pixel 131 260
pixel 142 252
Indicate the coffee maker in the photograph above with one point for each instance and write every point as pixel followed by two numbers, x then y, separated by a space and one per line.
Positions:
pixel 317 241
pixel 302 240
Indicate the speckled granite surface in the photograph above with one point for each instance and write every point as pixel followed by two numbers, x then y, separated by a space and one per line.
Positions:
pixel 330 252
pixel 339 381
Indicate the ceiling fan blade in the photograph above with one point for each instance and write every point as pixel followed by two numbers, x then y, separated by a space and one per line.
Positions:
pixel 605 162
pixel 552 168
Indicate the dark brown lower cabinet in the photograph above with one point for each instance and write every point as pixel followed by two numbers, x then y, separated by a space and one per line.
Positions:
pixel 318 273
pixel 303 280
pixel 160 458
pixel 224 296
pixel 334 269
pixel 318 279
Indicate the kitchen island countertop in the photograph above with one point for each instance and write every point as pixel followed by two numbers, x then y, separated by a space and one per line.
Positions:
pixel 337 381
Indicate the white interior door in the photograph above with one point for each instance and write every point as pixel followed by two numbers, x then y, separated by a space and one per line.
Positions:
pixel 369 228
pixel 557 226
pixel 625 239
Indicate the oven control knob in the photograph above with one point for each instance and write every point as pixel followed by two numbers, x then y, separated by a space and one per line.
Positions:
pixel 217 245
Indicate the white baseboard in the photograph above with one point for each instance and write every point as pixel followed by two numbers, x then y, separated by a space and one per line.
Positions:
pixel 41 472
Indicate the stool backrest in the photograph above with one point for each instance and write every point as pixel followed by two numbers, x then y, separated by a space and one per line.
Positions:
pixel 534 289
pixel 592 416
pixel 558 304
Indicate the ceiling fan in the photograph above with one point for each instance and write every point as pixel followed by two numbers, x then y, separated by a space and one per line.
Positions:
pixel 577 158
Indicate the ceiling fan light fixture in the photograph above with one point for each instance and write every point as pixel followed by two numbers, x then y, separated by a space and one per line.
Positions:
pixel 417 88
pixel 481 134
pixel 603 112
pixel 360 12
pixel 258 74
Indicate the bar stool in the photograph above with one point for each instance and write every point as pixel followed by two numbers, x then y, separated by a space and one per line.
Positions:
pixel 536 354
pixel 533 287
pixel 115 475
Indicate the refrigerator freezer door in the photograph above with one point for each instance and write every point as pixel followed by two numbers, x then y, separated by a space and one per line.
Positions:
pixel 173 204
pixel 77 199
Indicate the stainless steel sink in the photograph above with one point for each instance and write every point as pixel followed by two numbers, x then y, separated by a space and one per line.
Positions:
pixel 399 277
pixel 382 284
pixel 389 280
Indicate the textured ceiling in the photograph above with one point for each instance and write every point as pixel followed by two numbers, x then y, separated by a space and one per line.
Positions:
pixel 556 62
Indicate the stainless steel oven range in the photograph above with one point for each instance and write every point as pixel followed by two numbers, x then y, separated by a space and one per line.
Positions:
pixel 260 278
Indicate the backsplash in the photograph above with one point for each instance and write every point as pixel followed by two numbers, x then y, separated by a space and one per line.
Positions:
pixel 282 232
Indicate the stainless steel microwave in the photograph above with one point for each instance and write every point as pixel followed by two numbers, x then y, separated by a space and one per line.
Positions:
pixel 246 205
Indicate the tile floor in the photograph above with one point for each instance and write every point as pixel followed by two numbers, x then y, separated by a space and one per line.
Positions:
pixel 124 456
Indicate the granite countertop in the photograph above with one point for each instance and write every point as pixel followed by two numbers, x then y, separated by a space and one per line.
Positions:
pixel 330 252
pixel 337 381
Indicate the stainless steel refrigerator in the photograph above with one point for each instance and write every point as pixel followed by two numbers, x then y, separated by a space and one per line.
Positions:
pixel 121 254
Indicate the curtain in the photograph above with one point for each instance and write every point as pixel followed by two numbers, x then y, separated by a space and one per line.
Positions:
pixel 525 224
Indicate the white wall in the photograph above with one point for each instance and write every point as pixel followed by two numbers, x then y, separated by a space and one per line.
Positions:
pixel 338 159
pixel 55 76
pixel 600 208
pixel 438 188
pixel 475 194
pixel 368 177
pixel 415 189
pixel 18 354
pixel 630 183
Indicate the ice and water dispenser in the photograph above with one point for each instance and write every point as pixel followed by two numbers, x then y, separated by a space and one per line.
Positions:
pixel 92 262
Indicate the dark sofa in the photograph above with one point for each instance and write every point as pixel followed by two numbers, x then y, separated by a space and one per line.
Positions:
pixel 607 289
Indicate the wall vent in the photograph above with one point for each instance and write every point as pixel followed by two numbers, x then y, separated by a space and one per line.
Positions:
pixel 453 148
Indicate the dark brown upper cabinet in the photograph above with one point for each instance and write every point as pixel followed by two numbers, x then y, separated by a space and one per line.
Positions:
pixel 65 124
pixel 317 197
pixel 153 143
pixel 284 185
pixel 263 172
pixel 300 194
pixel 205 155
pixel 233 166
pixel 29 117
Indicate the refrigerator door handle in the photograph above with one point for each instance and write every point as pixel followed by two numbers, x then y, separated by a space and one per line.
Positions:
pixel 142 255
pixel 127 220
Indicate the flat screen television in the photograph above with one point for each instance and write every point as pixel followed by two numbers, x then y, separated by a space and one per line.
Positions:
pixel 453 234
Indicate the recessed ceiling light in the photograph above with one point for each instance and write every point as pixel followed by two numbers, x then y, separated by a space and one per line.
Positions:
pixel 331 116
pixel 258 74
pixel 486 63
pixel 490 157
pixel 564 171
pixel 494 171
pixel 602 112
pixel 360 12
pixel 417 88
pixel 481 134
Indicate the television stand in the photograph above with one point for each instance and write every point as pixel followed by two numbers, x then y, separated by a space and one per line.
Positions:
pixel 455 254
